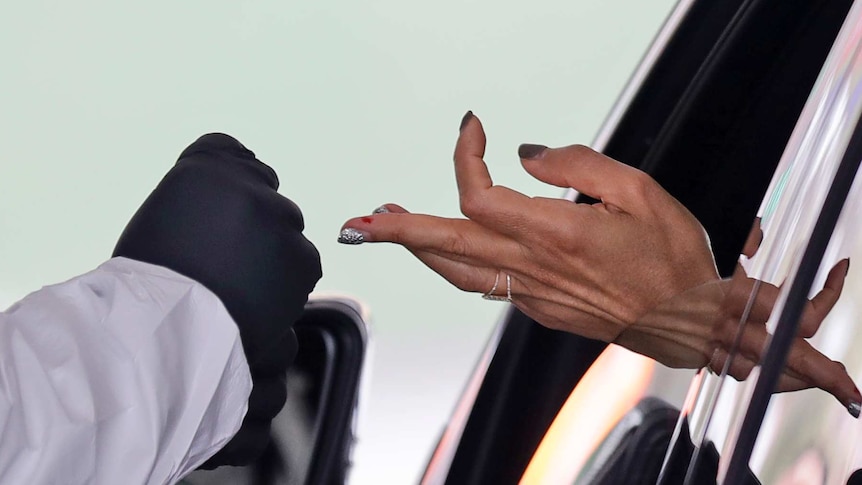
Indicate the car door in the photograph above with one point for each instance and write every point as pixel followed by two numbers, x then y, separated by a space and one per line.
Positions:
pixel 312 437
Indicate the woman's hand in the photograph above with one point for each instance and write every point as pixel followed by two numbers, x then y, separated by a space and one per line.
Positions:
pixel 635 269
pixel 740 334
pixel 722 325
pixel 587 269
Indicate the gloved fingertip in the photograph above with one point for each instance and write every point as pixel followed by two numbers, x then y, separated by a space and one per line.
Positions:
pixel 226 147
pixel 217 142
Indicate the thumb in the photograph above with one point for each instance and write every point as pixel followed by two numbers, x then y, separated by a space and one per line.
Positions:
pixel 589 172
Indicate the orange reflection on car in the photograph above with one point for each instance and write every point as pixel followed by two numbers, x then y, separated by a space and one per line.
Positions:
pixel 610 388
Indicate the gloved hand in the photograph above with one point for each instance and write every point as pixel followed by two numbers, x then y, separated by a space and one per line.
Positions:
pixel 216 217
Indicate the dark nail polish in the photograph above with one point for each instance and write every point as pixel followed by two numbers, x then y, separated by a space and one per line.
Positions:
pixel 848 267
pixel 529 152
pixel 854 409
pixel 466 119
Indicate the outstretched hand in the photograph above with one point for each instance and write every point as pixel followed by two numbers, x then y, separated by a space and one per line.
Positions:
pixel 634 269
pixel 590 269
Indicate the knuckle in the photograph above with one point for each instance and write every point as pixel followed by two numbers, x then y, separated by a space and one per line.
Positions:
pixel 642 185
pixel 740 368
pixel 454 243
pixel 724 329
pixel 468 281
pixel 740 374
pixel 716 359
pixel 462 283
pixel 575 234
pixel 396 234
pixel 837 375
pixel 807 329
pixel 472 205
pixel 579 150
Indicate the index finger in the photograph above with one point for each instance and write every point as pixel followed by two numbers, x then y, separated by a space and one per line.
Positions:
pixel 806 363
pixel 827 374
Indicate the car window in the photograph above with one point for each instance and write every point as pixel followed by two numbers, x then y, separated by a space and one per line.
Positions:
pixel 802 243
pixel 795 195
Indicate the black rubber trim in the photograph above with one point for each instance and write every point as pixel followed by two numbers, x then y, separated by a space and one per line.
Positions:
pixel 344 328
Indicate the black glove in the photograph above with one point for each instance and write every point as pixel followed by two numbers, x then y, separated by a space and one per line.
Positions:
pixel 216 217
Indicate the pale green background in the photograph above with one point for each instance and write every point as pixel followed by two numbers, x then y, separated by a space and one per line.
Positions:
pixel 354 103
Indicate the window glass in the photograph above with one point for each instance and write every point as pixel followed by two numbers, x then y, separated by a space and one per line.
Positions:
pixel 792 288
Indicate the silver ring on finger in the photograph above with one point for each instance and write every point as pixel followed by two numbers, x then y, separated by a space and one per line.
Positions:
pixel 491 296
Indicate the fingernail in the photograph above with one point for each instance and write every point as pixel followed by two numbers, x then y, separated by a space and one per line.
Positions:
pixel 848 267
pixel 351 236
pixel 530 152
pixel 466 119
pixel 854 408
pixel 381 210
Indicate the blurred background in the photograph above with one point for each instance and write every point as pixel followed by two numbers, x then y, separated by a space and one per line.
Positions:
pixel 354 103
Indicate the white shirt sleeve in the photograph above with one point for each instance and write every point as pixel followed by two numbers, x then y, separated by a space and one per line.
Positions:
pixel 128 374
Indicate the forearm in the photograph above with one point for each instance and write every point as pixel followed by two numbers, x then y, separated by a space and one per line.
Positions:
pixel 127 374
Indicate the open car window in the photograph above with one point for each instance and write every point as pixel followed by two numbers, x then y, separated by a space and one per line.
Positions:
pixel 800 288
